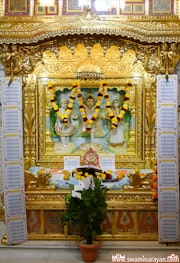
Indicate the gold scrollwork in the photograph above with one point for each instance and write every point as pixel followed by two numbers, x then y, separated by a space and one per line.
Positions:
pixel 21 60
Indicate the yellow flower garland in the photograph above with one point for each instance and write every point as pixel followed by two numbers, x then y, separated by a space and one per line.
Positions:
pixel 102 91
pixel 63 117
pixel 89 122
pixel 116 119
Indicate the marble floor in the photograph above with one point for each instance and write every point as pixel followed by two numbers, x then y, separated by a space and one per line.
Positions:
pixel 67 251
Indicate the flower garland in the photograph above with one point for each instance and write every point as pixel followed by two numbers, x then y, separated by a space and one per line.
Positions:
pixel 116 119
pixel 102 91
pixel 64 117
pixel 89 122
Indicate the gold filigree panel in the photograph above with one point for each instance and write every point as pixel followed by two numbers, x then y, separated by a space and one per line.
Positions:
pixel 49 199
pixel 113 63
pixel 52 56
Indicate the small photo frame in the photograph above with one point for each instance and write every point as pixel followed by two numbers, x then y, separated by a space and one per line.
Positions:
pixel 161 7
pixel 73 6
pixel 138 9
pixel 17 7
pixel 52 10
pixel 127 9
pixel 39 10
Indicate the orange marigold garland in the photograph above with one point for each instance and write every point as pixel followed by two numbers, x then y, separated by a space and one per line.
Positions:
pixel 116 119
pixel 63 117
pixel 89 122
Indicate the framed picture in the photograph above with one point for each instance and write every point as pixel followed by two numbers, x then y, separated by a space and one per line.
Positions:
pixel 52 10
pixel 127 9
pixel 17 7
pixel 74 139
pixel 73 6
pixel 161 7
pixel 138 9
pixel 39 10
pixel 45 9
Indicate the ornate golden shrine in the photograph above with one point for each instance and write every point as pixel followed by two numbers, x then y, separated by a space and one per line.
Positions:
pixel 121 61
pixel 126 50
pixel 117 74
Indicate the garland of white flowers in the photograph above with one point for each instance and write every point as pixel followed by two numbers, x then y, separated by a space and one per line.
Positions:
pixel 102 91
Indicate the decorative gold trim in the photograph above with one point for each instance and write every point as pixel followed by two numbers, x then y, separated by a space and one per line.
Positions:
pixel 135 201
pixel 2 209
pixel 22 60
pixel 122 200
pixel 26 30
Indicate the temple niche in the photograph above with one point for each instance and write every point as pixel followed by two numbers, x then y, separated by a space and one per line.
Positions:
pixel 120 64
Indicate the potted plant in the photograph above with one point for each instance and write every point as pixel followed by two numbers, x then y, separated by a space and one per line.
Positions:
pixel 86 208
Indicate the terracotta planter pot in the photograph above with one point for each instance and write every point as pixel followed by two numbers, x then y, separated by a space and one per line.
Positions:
pixel 89 252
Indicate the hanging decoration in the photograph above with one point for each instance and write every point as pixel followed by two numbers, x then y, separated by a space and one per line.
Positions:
pixel 116 119
pixel 64 117
pixel 89 122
